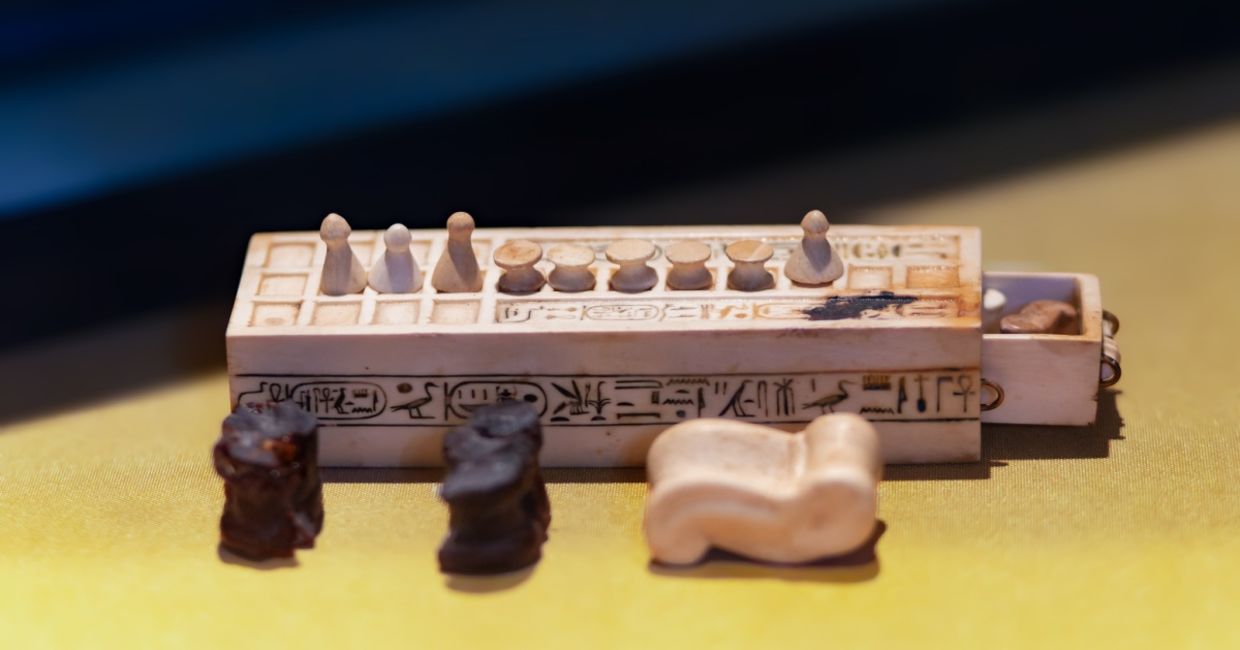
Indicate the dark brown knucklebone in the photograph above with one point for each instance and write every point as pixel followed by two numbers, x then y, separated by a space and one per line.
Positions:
pixel 497 501
pixel 267 455
pixel 1041 317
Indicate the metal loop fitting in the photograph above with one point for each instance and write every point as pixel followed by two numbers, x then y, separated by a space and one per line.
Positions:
pixel 1110 351
pixel 1116 372
pixel 1112 320
pixel 998 391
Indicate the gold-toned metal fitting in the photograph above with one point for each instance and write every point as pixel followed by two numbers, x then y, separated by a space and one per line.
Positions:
pixel 997 390
pixel 1112 363
pixel 1111 320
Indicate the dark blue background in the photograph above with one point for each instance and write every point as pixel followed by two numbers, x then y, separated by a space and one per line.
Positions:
pixel 141 143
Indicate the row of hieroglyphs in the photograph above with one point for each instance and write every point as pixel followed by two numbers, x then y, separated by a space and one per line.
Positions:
pixel 883 306
pixel 630 399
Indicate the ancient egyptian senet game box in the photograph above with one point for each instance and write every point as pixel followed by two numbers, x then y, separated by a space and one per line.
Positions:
pixel 898 338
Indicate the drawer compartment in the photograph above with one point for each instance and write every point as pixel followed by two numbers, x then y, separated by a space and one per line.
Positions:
pixel 1050 379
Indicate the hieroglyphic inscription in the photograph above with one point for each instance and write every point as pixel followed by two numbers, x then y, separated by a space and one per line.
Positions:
pixel 903 247
pixel 706 309
pixel 346 399
pixel 617 400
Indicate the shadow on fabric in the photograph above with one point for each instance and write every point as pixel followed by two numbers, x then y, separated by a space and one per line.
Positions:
pixel 860 565
pixel 1006 442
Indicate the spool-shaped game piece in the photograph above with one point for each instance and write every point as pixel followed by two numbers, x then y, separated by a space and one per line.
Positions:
pixel 689 270
pixel 517 258
pixel 267 455
pixel 572 268
pixel 750 257
pixel 634 275
pixel 497 500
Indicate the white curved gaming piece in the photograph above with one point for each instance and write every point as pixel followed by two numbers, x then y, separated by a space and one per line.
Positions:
pixel 397 272
pixel 814 262
pixel 457 269
pixel 342 272
pixel 761 492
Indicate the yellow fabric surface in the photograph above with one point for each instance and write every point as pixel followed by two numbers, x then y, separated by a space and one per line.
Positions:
pixel 1123 535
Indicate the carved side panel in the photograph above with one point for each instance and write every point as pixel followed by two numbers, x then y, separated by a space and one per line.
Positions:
pixel 944 395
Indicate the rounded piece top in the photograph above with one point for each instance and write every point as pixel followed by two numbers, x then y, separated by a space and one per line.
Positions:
pixel 397 236
pixel 815 222
pixel 687 252
pixel 334 228
pixel 993 300
pixel 630 251
pixel 749 250
pixel 518 253
pixel 571 255
pixel 460 223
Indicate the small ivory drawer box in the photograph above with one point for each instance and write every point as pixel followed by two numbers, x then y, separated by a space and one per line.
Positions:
pixel 1047 378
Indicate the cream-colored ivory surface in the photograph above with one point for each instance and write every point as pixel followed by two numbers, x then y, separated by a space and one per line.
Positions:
pixel 761 492
pixel 896 339
pixel 1046 378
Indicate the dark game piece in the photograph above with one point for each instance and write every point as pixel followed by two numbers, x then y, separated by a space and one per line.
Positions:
pixel 273 496
pixel 1042 317
pixel 499 512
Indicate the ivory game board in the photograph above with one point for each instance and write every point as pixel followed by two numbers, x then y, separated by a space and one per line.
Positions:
pixel 897 339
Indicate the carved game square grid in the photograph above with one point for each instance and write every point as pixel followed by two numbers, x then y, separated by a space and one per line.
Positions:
pixel 280 283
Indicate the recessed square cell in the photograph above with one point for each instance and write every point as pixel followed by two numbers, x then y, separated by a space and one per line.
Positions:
pixel 396 313
pixel 869 277
pixel 274 314
pixel 336 313
pixel 455 312
pixel 783 250
pixel 482 249
pixel 363 250
pixel 282 284
pixel 933 277
pixel 290 254
pixel 777 272
pixel 420 248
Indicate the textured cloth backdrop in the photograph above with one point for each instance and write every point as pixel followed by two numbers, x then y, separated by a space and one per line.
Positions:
pixel 1123 535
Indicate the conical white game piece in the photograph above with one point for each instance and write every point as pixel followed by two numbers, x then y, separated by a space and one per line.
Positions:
pixel 397 272
pixel 813 262
pixel 342 272
pixel 457 269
